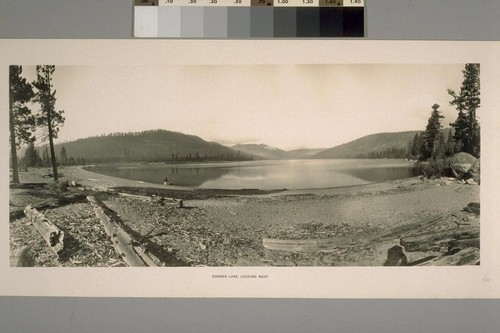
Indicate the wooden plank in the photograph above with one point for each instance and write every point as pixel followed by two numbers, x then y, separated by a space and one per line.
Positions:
pixel 312 245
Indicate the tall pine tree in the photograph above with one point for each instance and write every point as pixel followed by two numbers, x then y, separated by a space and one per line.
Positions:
pixel 48 116
pixel 21 120
pixel 431 134
pixel 467 101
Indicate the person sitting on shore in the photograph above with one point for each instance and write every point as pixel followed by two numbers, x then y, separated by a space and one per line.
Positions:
pixel 165 181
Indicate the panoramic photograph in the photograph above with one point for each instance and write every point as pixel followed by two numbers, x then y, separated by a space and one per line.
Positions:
pixel 244 165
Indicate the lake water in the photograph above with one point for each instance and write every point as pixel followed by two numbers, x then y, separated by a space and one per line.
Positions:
pixel 279 174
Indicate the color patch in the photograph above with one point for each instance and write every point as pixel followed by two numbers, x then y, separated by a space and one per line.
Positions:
pixel 169 22
pixel 192 22
pixel 238 22
pixel 308 22
pixel 261 22
pixel 285 22
pixel 215 22
pixel 146 21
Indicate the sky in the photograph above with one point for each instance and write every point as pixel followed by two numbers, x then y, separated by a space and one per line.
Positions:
pixel 286 106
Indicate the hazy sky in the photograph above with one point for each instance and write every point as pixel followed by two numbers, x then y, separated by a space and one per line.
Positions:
pixel 287 106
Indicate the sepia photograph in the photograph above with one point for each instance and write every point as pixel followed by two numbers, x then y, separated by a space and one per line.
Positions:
pixel 248 165
pixel 342 170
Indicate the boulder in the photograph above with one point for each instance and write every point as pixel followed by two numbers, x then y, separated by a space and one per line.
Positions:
pixel 461 163
pixel 474 171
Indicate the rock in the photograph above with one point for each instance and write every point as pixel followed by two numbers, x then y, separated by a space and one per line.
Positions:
pixel 396 256
pixel 474 171
pixel 470 181
pixel 461 163
pixel 25 258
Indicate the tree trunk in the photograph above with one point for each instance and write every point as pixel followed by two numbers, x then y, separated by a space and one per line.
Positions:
pixel 51 143
pixel 123 243
pixel 15 173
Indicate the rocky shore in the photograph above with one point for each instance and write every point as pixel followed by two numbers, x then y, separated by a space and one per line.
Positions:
pixel 227 228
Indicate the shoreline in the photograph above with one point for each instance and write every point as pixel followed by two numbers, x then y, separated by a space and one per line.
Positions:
pixel 227 228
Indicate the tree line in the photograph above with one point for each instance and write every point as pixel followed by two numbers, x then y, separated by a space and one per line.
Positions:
pixel 431 144
pixel 32 109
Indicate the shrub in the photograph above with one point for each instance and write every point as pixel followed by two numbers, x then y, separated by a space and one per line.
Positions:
pixel 435 168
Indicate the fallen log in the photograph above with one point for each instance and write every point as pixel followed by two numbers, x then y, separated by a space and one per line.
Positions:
pixel 362 239
pixel 155 199
pixel 50 233
pixel 49 204
pixel 437 241
pixel 122 242
pixel 28 186
pixel 468 256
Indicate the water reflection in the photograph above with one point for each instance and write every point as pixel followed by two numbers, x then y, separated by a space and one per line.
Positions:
pixel 293 174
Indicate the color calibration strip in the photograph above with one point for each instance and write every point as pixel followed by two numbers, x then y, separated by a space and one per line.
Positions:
pixel 242 19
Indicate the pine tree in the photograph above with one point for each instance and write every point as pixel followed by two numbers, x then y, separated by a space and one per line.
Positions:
pixel 48 116
pixel 450 145
pixel 467 130
pixel 30 158
pixel 431 133
pixel 21 120
pixel 63 156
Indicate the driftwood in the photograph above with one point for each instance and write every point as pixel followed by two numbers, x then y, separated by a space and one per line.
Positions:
pixel 437 240
pixel 146 198
pixel 313 245
pixel 50 233
pixel 49 204
pixel 468 256
pixel 123 243
pixel 28 186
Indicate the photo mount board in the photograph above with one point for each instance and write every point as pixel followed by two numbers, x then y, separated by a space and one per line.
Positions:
pixel 308 282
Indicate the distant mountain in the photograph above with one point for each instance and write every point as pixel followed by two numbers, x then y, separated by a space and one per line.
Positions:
pixel 372 146
pixel 147 146
pixel 303 153
pixel 261 151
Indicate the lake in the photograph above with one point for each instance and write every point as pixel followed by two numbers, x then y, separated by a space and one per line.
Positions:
pixel 276 174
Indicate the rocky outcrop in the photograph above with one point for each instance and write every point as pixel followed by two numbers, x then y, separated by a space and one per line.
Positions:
pixel 461 163
pixel 475 170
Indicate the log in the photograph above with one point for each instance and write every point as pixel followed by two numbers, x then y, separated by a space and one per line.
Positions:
pixel 122 242
pixel 437 241
pixel 366 238
pixel 29 186
pixel 461 244
pixel 468 256
pixel 50 233
pixel 146 198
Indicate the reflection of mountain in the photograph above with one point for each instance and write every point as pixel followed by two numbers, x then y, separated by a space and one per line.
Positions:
pixel 375 175
pixel 192 176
